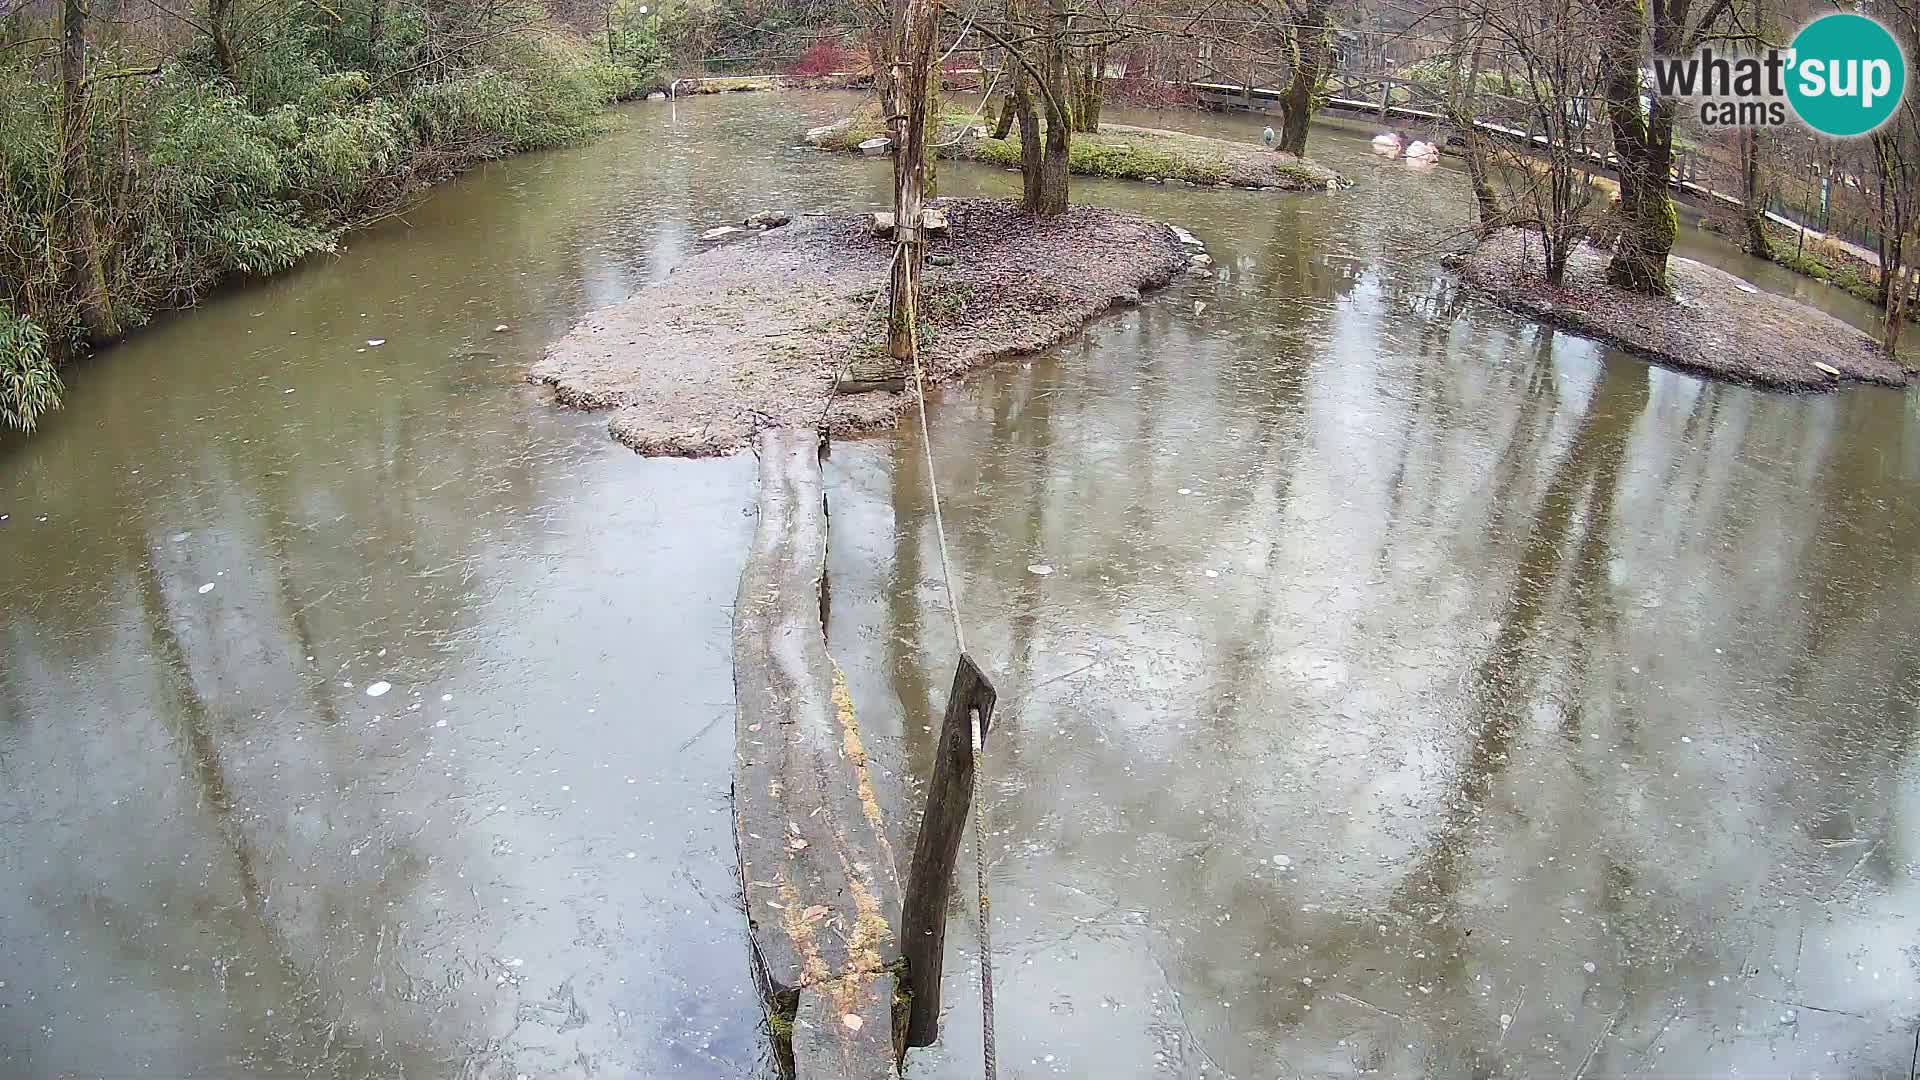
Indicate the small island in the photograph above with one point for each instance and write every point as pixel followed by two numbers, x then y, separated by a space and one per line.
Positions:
pixel 1115 151
pixel 1713 324
pixel 756 331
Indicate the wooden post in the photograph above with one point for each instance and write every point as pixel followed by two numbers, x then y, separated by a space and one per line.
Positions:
pixel 912 74
pixel 923 920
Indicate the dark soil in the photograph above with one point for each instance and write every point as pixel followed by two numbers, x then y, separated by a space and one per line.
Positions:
pixel 751 334
pixel 1715 324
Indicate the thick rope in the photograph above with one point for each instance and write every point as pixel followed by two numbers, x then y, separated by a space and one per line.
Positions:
pixel 987 1054
pixel 989 1064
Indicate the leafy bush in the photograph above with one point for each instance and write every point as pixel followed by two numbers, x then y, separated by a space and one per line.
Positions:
pixel 1434 75
pixel 195 176
pixel 29 385
pixel 825 56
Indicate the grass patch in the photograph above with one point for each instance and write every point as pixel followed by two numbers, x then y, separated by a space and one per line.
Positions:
pixel 1840 276
pixel 1115 158
pixel 847 135
pixel 730 86
pixel 1820 258
pixel 1116 152
pixel 945 304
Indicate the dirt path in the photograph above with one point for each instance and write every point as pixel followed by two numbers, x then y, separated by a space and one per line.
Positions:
pixel 1715 324
pixel 750 334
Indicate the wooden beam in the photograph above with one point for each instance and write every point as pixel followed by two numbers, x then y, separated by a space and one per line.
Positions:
pixel 949 796
pixel 816 866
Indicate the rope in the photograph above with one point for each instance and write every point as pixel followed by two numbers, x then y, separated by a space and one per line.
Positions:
pixel 990 1066
pixel 986 930
pixel 979 113
pixel 859 332
pixel 933 482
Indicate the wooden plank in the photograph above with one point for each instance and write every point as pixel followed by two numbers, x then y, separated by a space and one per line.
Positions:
pixel 949 797
pixel 816 868
pixel 843 1030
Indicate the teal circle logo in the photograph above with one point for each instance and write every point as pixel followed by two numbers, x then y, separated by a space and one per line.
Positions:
pixel 1848 74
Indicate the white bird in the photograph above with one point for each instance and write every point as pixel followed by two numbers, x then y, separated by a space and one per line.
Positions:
pixel 1423 152
pixel 1267 137
pixel 1387 143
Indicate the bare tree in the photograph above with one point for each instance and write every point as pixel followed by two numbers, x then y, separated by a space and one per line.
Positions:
pixel 220 33
pixel 1548 184
pixel 1310 42
pixel 1463 113
pixel 1753 194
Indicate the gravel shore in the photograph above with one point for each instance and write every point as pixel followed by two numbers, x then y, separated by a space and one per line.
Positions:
pixel 1715 324
pixel 751 333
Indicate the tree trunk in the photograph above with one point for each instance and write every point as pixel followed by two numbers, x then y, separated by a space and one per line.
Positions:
pixel 1004 125
pixel 1895 276
pixel 1032 156
pixel 1754 197
pixel 85 272
pixel 1097 90
pixel 1556 256
pixel 913 70
pixel 1644 147
pixel 1088 85
pixel 930 123
pixel 1894 221
pixel 1463 116
pixel 1310 57
pixel 881 42
pixel 220 29
pixel 1050 198
pixel 1076 87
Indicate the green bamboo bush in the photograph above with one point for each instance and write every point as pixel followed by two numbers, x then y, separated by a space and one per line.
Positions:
pixel 184 172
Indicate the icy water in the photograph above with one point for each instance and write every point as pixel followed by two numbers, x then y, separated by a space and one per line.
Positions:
pixel 1412 691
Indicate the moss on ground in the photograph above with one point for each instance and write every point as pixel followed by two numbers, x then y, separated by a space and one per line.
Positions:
pixel 902 1005
pixel 1839 275
pixel 723 85
pixel 1116 158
